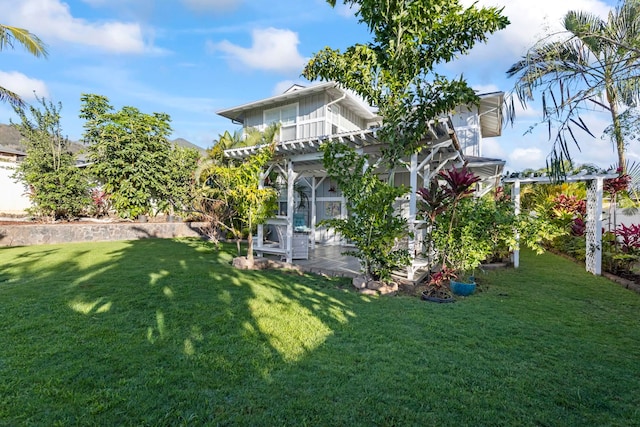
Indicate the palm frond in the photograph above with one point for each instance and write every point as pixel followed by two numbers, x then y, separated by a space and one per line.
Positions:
pixel 9 35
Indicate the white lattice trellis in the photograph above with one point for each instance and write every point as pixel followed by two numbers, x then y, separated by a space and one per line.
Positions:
pixel 594 214
pixel 594 226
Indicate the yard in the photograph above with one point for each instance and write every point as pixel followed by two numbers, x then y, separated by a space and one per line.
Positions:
pixel 165 332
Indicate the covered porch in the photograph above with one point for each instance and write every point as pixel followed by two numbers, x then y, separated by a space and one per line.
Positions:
pixel 293 233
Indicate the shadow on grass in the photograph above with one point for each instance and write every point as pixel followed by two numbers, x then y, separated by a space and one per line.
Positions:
pixel 166 332
pixel 151 330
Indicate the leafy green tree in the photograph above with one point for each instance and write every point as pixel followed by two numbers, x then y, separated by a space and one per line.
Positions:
pixel 180 180
pixel 372 225
pixel 57 187
pixel 8 38
pixel 130 155
pixel 396 71
pixel 235 190
pixel 595 64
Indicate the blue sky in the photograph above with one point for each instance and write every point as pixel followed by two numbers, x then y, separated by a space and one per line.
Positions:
pixel 191 58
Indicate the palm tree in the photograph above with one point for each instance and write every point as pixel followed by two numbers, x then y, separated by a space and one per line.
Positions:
pixel 8 37
pixel 592 63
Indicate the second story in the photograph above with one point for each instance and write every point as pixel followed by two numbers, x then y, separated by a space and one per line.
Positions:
pixel 326 109
pixel 306 112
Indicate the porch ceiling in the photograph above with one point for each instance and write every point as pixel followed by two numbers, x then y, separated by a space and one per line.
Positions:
pixel 491 114
pixel 489 170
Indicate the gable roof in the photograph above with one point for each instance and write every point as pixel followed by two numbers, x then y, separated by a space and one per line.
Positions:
pixel 237 114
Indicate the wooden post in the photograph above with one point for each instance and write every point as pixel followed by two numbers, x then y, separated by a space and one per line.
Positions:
pixel 290 201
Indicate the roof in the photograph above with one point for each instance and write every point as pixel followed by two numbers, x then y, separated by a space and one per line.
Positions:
pixel 237 114
pixel 8 150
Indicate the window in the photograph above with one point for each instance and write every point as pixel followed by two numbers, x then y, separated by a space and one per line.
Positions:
pixel 287 116
pixel 334 117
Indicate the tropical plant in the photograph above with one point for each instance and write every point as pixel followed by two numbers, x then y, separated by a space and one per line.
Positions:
pixel 57 187
pixel 593 63
pixel 9 36
pixel 234 196
pixel 373 225
pixel 212 201
pixel 395 71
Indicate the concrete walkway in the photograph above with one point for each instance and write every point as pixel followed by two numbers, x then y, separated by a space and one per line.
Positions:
pixel 330 261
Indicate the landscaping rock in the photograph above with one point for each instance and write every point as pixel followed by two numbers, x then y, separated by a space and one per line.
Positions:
pixel 240 263
pixel 374 285
pixel 359 282
pixel 389 290
pixel 366 291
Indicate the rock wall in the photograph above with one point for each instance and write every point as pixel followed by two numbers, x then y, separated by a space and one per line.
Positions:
pixel 40 234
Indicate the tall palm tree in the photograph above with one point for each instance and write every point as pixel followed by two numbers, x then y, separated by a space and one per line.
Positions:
pixel 592 63
pixel 8 38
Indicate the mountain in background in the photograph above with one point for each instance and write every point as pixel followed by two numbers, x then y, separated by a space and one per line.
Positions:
pixel 10 138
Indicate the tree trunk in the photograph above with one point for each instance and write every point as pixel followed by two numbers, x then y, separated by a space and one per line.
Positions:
pixel 618 138
pixel 250 246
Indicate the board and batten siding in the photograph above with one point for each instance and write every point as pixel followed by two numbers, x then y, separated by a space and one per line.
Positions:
pixel 466 122
pixel 310 120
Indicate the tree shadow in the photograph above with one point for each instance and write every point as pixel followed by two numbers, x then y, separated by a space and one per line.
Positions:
pixel 133 318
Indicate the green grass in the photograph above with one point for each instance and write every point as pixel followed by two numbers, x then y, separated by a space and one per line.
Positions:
pixel 165 332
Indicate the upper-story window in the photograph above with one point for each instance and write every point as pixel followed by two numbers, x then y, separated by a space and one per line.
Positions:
pixel 287 116
pixel 334 116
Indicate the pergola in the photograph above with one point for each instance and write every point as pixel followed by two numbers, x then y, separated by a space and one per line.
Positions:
pixel 595 184
pixel 301 160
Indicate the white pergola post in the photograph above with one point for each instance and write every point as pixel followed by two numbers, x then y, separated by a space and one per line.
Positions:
pixel 594 226
pixel 290 200
pixel 313 213
pixel 260 236
pixel 515 197
pixel 413 184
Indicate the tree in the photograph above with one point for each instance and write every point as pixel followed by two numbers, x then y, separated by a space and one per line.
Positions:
pixel 180 180
pixel 235 190
pixel 131 155
pixel 372 225
pixel 8 38
pixel 592 63
pixel 57 187
pixel 396 71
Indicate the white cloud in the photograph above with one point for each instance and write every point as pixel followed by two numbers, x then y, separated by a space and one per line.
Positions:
pixel 530 20
pixel 52 21
pixel 273 49
pixel 491 148
pixel 212 5
pixel 23 85
pixel 522 158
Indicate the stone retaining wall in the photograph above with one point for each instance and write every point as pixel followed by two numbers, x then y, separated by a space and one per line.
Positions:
pixel 40 234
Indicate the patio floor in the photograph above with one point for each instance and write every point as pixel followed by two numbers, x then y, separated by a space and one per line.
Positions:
pixel 329 260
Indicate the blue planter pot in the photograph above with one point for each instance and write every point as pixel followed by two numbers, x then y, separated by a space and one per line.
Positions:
pixel 462 289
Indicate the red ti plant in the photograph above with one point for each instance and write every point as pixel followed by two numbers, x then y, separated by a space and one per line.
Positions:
pixel 435 200
pixel 629 237
pixel 441 198
pixel 578 227
pixel 459 182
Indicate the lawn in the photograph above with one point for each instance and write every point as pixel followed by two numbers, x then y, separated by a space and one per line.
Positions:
pixel 165 332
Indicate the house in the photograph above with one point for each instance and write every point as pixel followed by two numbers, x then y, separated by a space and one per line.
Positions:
pixel 13 194
pixel 325 112
pixel 10 155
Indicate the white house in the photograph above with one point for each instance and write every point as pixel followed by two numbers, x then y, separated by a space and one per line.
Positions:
pixel 310 116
